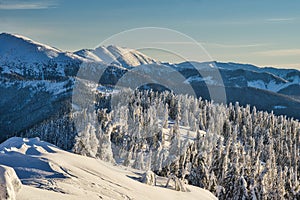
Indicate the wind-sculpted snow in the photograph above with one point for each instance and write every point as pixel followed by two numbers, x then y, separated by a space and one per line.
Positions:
pixel 48 172
pixel 21 154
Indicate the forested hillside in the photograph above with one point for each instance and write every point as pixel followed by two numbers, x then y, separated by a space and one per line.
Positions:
pixel 235 152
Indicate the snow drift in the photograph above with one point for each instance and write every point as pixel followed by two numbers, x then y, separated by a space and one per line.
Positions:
pixel 51 173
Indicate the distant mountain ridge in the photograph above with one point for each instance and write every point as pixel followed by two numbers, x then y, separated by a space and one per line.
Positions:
pixel 21 55
pixel 36 80
pixel 115 55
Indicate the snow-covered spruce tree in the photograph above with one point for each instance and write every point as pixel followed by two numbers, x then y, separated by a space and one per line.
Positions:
pixel 104 148
pixel 165 117
pixel 58 130
pixel 156 159
pixel 139 162
pixel 185 118
pixel 86 143
pixel 199 174
pixel 174 151
pixel 235 152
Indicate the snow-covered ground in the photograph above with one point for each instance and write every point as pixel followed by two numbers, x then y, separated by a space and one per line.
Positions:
pixel 270 86
pixel 48 172
pixel 208 80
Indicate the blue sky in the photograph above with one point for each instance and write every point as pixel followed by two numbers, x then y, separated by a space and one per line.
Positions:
pixel 261 32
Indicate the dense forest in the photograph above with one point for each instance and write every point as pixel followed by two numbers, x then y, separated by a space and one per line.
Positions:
pixel 235 152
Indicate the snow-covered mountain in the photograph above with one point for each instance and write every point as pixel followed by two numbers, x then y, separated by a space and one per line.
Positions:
pixel 23 56
pixel 17 48
pixel 47 172
pixel 241 75
pixel 36 80
pixel 116 55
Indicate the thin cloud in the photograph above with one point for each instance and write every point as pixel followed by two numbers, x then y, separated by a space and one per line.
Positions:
pixel 243 22
pixel 281 52
pixel 234 45
pixel 280 19
pixel 175 43
pixel 26 5
pixel 219 45
pixel 286 65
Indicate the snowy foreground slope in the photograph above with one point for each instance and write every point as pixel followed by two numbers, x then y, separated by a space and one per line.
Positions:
pixel 48 172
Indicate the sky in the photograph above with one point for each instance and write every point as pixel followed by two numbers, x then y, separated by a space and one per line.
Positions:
pixel 260 32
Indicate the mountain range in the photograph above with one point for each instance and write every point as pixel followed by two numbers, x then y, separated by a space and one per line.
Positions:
pixel 37 80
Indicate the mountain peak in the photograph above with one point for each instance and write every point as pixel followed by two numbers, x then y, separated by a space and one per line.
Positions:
pixel 16 49
pixel 113 54
pixel 16 38
pixel 11 35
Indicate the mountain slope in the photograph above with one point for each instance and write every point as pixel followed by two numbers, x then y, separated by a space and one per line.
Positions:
pixel 26 103
pixel 19 48
pixel 51 173
pixel 235 75
pixel 25 57
pixel 116 55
